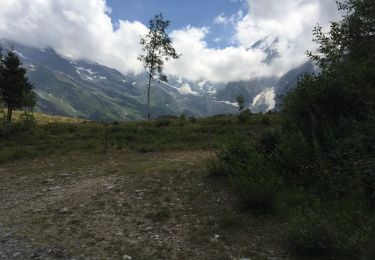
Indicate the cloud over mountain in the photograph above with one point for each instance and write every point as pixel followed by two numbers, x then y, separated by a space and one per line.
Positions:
pixel 84 30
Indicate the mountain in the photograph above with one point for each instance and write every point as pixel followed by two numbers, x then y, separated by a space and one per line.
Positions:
pixel 85 89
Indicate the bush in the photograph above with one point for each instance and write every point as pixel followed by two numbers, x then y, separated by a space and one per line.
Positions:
pixel 257 184
pixel 330 229
pixel 162 123
pixel 192 119
pixel 235 156
pixel 268 142
pixel 250 173
pixel 244 116
pixel 257 188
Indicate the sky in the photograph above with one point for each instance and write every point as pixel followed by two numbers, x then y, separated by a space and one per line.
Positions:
pixel 213 36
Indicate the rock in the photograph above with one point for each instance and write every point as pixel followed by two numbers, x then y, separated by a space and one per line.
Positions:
pixel 16 254
pixel 127 257
pixel 64 210
pixel 148 229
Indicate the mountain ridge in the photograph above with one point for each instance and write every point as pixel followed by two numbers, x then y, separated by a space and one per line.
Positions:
pixel 88 90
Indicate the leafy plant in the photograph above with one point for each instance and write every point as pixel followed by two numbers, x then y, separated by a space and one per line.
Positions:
pixel 157 48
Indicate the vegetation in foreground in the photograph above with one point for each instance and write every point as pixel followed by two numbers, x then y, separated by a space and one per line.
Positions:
pixel 40 137
pixel 318 170
pixel 147 197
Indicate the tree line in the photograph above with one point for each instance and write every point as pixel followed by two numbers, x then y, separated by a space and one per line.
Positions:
pixel 16 91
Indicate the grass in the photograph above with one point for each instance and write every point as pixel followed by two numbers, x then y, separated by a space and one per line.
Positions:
pixel 61 135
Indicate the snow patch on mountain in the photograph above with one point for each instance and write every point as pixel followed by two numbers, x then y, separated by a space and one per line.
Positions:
pixel 89 74
pixel 226 102
pixel 20 54
pixel 264 101
pixel 186 89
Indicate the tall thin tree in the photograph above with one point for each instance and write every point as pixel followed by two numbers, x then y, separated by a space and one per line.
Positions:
pixel 157 49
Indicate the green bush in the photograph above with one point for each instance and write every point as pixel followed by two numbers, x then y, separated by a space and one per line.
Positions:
pixel 330 228
pixel 244 116
pixel 257 184
pixel 234 157
pixel 250 173
pixel 162 123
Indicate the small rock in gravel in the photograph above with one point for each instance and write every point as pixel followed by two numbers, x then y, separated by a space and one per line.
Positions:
pixel 148 228
pixel 127 257
pixel 64 210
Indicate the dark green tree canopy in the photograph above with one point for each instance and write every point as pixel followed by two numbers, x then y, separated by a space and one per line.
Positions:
pixel 344 89
pixel 16 90
pixel 349 40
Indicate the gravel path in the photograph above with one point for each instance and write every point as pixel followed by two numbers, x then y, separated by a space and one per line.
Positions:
pixel 12 248
pixel 126 206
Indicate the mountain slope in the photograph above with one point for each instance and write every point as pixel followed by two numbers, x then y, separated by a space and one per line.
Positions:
pixel 88 90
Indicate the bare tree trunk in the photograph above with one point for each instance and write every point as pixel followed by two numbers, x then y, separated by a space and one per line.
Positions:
pixel 9 116
pixel 148 97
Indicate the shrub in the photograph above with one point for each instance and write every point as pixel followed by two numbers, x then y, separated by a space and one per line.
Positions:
pixel 268 142
pixel 163 123
pixel 244 116
pixel 192 119
pixel 257 184
pixel 250 173
pixel 233 157
pixel 330 228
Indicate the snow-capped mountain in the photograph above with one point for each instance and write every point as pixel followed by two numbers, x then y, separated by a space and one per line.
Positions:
pixel 89 90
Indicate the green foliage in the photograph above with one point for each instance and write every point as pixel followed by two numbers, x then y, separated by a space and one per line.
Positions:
pixel 157 48
pixel 240 102
pixel 325 149
pixel 183 116
pixel 318 228
pixel 54 135
pixel 250 173
pixel 326 146
pixel 162 122
pixel 15 90
pixel 244 116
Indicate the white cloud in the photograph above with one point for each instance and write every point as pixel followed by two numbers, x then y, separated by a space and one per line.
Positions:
pixel 292 21
pixel 200 62
pixel 221 19
pixel 83 30
pixel 77 29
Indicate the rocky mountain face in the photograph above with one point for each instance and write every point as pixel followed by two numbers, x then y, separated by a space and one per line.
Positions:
pixel 89 90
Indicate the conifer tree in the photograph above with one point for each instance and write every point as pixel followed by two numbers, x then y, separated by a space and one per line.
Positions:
pixel 16 88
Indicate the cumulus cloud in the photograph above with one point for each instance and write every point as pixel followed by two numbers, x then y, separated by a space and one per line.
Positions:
pixel 290 21
pixel 84 30
pixel 218 65
pixel 77 29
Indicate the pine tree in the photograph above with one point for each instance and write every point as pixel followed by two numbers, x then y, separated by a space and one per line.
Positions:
pixel 16 87
pixel 157 48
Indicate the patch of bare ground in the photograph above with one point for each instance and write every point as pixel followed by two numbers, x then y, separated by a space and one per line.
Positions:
pixel 127 206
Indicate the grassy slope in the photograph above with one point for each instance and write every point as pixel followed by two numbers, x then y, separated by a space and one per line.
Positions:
pixel 73 200
pixel 66 135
